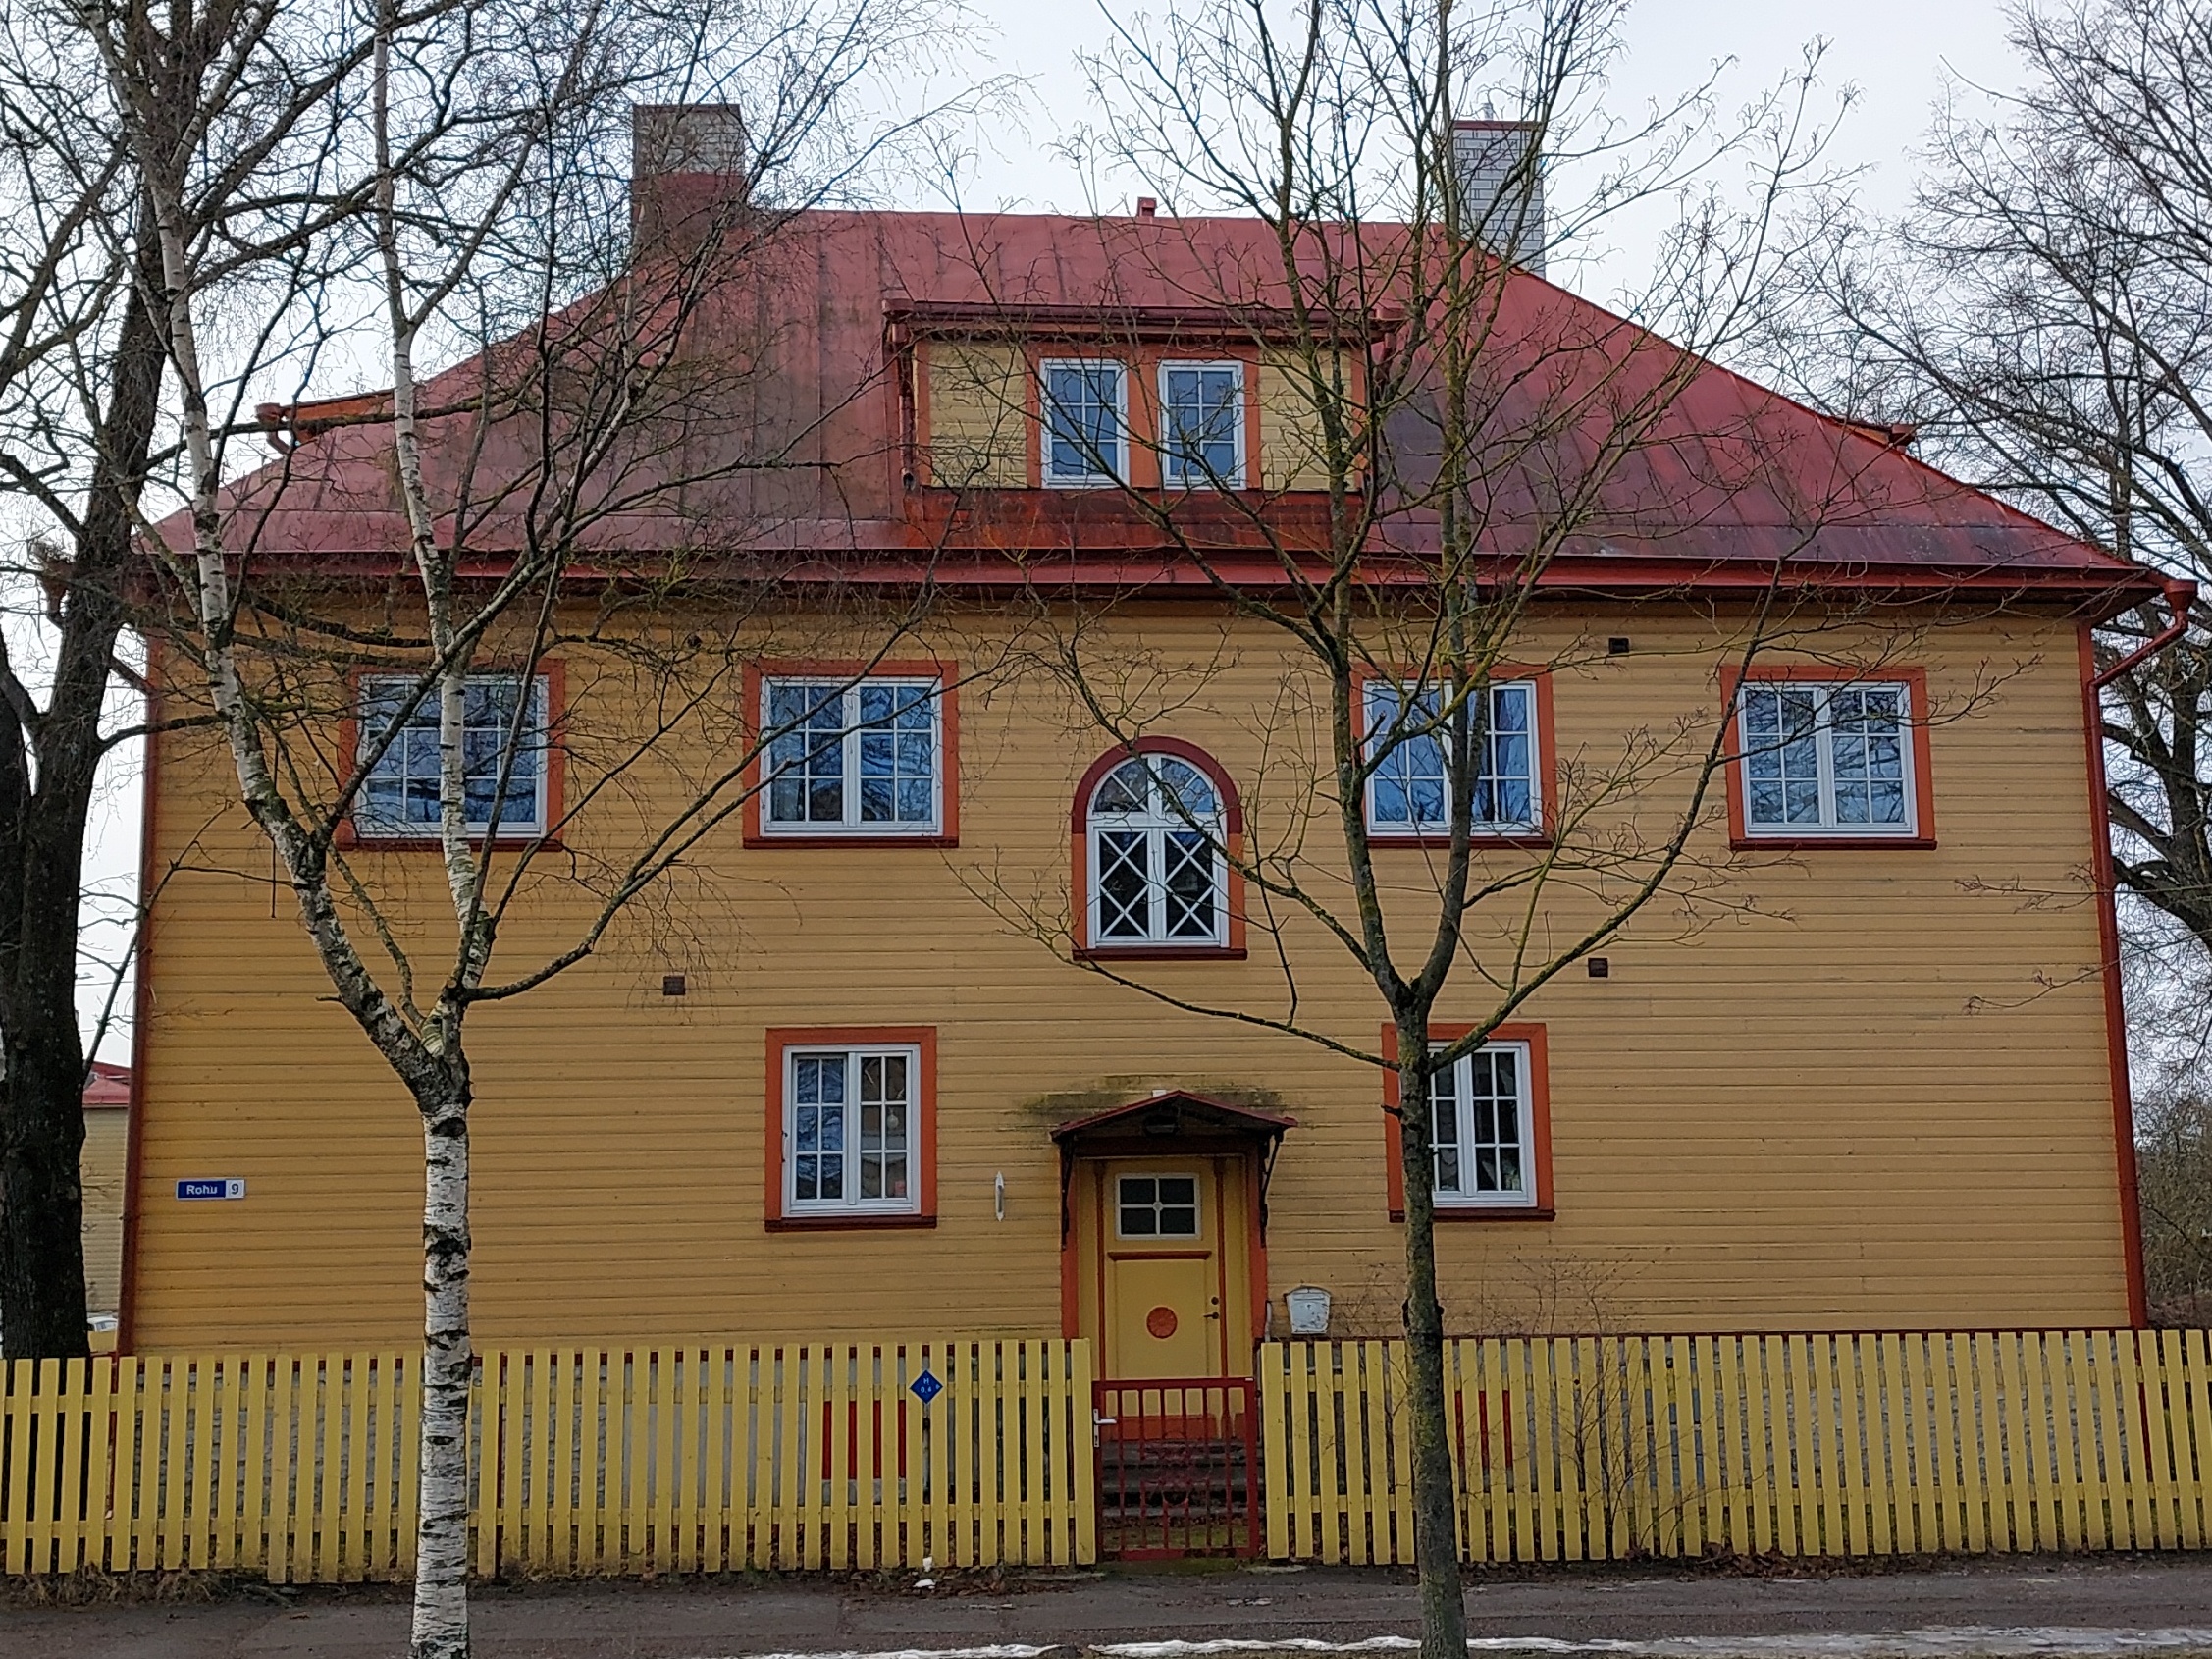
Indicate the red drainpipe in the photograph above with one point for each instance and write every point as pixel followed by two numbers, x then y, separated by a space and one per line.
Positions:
pixel 2179 595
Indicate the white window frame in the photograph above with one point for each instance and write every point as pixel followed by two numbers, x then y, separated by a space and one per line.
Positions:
pixel 1089 480
pixel 852 824
pixel 851 1203
pixel 1524 1112
pixel 1156 826
pixel 1236 478
pixel 1824 746
pixel 537 736
pixel 1373 731
pixel 1197 1204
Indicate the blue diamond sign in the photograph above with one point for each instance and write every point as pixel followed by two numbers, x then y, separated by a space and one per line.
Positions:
pixel 926 1387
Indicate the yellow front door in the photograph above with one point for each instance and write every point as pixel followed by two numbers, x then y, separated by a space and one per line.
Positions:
pixel 1164 1316
pixel 1169 1250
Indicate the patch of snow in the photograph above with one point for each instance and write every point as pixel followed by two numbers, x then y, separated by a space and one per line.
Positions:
pixel 1962 1641
pixel 1956 1641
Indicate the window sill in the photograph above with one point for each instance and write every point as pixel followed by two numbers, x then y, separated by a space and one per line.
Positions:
pixel 1486 1212
pixel 1161 953
pixel 1255 493
pixel 347 840
pixel 856 838
pixel 1490 843
pixel 1832 844
pixel 846 1223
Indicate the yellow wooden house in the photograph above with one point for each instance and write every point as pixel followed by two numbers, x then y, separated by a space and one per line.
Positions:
pixel 871 1064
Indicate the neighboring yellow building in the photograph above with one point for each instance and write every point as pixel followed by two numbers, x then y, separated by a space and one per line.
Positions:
pixel 855 1070
pixel 107 1134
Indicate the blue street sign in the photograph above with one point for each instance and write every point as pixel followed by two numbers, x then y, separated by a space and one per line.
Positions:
pixel 926 1387
pixel 224 1187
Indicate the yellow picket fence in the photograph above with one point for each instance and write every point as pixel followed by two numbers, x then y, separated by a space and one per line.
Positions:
pixel 586 1458
pixel 1576 1448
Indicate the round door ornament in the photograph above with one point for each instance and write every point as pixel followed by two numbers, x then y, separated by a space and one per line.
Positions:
pixel 1160 1322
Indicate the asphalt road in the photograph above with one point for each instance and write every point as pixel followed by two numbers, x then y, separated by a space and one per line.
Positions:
pixel 2034 1607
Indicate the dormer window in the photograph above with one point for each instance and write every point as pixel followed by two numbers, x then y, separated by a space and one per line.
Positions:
pixel 1204 410
pixel 1202 425
pixel 1084 421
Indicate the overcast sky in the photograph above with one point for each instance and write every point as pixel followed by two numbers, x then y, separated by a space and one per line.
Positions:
pixel 1896 52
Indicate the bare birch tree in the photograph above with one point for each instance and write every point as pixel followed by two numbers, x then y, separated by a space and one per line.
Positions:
pixel 1464 428
pixel 473 159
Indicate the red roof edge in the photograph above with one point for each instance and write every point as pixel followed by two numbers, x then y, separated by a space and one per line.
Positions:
pixel 110 1085
pixel 1247 1117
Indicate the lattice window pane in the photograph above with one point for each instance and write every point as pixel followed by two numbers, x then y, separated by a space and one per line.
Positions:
pixel 1444 1128
pixel 1157 1206
pixel 1869 754
pixel 852 1127
pixel 1411 785
pixel 1189 885
pixel 1506 793
pixel 1139 1205
pixel 1201 409
pixel 1494 1129
pixel 807 759
pixel 852 756
pixel 897 743
pixel 402 792
pixel 1782 759
pixel 1179 1207
pixel 1821 757
pixel 1156 861
pixel 1124 887
pixel 1083 419
pixel 818 1126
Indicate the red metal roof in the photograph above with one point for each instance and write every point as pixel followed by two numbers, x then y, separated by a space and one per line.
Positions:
pixel 1729 479
pixel 110 1085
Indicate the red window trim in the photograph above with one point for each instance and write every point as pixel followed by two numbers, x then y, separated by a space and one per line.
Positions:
pixel 2115 1000
pixel 922 1038
pixel 1546 763
pixel 946 675
pixel 1913 679
pixel 553 672
pixel 1141 365
pixel 1079 909
pixel 1540 1124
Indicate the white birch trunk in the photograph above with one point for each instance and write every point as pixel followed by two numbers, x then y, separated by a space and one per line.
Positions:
pixel 441 1618
pixel 441 1614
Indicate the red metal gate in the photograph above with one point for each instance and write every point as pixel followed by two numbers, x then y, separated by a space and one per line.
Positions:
pixel 1178 1470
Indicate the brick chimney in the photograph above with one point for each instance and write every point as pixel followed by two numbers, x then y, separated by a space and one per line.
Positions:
pixel 687 174
pixel 1500 178
pixel 679 138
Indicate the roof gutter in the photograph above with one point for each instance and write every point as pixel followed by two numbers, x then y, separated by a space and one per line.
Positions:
pixel 2179 595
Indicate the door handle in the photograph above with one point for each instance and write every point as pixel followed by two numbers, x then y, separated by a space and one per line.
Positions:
pixel 1099 1422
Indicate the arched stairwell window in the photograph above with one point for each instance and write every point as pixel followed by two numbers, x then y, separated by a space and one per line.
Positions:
pixel 1153 832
